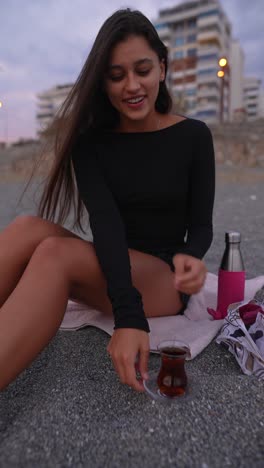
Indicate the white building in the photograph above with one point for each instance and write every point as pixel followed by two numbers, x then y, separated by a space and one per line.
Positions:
pixel 253 98
pixel 261 104
pixel 197 34
pixel 237 59
pixel 49 102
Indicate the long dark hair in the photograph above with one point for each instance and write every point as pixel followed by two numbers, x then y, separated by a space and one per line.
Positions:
pixel 88 107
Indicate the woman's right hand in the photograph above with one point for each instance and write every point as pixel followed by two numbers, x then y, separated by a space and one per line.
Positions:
pixel 124 347
pixel 190 273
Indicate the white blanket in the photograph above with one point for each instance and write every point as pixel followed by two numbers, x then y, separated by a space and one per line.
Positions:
pixel 196 327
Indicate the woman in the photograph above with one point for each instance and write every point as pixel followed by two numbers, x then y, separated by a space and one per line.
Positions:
pixel 146 178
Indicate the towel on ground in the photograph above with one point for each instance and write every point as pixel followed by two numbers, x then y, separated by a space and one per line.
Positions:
pixel 196 327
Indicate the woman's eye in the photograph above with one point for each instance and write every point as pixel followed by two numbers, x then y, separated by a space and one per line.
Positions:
pixel 143 72
pixel 120 77
pixel 116 78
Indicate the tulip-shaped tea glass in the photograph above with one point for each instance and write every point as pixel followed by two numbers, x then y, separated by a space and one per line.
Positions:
pixel 172 378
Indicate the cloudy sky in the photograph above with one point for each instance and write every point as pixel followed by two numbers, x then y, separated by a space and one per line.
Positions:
pixel 45 42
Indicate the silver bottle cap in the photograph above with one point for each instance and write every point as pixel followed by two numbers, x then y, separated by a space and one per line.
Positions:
pixel 232 237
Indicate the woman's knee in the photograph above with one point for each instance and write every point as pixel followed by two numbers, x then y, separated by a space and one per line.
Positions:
pixel 34 230
pixel 52 249
pixel 67 254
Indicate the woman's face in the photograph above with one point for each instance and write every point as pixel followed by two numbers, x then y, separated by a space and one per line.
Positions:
pixel 132 80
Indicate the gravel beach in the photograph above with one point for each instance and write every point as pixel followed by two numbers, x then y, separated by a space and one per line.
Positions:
pixel 68 408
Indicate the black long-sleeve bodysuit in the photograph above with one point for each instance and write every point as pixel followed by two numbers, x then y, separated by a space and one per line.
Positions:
pixel 145 191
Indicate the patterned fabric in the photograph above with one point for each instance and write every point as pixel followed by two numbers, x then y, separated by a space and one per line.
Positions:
pixel 243 334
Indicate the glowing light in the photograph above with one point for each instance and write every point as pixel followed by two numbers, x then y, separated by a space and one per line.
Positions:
pixel 221 74
pixel 223 62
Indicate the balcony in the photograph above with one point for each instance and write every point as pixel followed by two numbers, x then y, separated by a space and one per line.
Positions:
pixel 208 92
pixel 209 118
pixel 207 78
pixel 204 104
pixel 184 64
pixel 184 72
pixel 164 32
pixel 208 21
pixel 184 80
pixel 186 88
pixel 204 65
pixel 41 116
pixel 204 49
pixel 210 37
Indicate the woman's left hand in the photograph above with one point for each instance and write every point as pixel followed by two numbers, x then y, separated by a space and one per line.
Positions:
pixel 124 347
pixel 190 273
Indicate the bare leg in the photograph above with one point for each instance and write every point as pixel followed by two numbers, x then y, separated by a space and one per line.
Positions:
pixel 67 267
pixel 32 314
pixel 17 243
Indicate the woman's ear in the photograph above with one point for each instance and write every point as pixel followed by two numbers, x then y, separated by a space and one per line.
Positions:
pixel 162 70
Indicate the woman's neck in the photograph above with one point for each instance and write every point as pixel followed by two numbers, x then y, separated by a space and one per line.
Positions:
pixel 150 124
pixel 161 121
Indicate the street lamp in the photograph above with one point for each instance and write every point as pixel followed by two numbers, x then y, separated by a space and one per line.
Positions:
pixel 223 64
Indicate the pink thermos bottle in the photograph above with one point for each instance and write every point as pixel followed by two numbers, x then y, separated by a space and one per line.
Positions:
pixel 231 275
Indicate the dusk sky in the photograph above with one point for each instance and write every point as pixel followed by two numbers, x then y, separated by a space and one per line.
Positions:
pixel 45 42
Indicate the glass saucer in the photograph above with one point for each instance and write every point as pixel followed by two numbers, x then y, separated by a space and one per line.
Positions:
pixel 153 390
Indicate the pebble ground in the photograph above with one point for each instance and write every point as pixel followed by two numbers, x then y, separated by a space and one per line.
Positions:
pixel 68 408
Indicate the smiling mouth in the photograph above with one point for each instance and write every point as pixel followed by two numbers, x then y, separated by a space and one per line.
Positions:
pixel 135 100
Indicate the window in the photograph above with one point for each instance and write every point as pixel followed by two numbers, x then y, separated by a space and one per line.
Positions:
pixel 207 86
pixel 191 104
pixel 212 98
pixel 161 25
pixel 179 27
pixel 178 54
pixel 209 13
pixel 44 116
pixel 179 41
pixel 206 113
pixel 251 89
pixel 208 57
pixel 191 38
pixel 191 52
pixel 190 92
pixel 209 27
pixel 46 106
pixel 191 23
pixel 207 71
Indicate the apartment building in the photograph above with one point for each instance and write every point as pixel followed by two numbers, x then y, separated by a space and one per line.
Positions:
pixel 197 34
pixel 49 103
pixel 261 104
pixel 237 59
pixel 253 98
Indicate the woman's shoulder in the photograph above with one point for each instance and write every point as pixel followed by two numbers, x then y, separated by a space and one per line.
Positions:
pixel 185 126
pixel 176 119
pixel 196 128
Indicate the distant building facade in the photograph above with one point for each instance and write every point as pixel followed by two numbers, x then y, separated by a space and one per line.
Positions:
pixel 253 98
pixel 197 34
pixel 49 102
pixel 237 105
pixel 261 104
